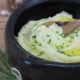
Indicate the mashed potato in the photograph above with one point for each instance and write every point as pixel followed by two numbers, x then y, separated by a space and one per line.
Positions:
pixel 50 43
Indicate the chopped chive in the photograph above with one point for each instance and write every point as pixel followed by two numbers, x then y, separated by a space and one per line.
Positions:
pixel 40 44
pixel 68 55
pixel 62 35
pixel 57 31
pixel 49 41
pixel 39 30
pixel 59 47
pixel 58 38
pixel 47 35
pixel 61 52
pixel 76 34
pixel 35 41
pixel 70 41
pixel 41 53
pixel 33 46
pixel 34 36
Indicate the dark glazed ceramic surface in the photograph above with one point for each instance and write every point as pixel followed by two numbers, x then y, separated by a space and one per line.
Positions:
pixel 31 67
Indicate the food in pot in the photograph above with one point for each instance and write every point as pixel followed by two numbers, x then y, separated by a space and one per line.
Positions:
pixel 49 42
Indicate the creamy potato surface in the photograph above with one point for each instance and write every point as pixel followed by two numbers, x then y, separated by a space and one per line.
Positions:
pixel 50 43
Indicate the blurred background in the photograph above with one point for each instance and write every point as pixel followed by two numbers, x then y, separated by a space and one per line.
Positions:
pixel 6 8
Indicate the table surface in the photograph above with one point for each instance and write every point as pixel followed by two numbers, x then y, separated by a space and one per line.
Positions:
pixel 3 21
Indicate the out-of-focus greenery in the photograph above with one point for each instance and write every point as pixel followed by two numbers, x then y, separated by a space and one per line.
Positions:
pixel 5 69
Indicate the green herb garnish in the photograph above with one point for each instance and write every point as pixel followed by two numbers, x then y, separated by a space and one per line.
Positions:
pixel 59 47
pixel 41 53
pixel 35 41
pixel 34 46
pixel 49 41
pixel 47 35
pixel 61 52
pixel 24 34
pixel 76 33
pixel 39 30
pixel 34 36
pixel 62 35
pixel 5 69
pixel 70 41
pixel 57 31
pixel 58 38
pixel 40 44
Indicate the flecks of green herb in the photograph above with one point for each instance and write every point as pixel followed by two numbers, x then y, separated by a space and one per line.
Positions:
pixel 24 34
pixel 41 53
pixel 58 38
pixel 68 55
pixel 47 35
pixel 49 41
pixel 39 30
pixel 76 33
pixel 40 44
pixel 34 36
pixel 62 35
pixel 70 41
pixel 59 47
pixel 61 52
pixel 33 46
pixel 57 31
pixel 8 74
pixel 35 41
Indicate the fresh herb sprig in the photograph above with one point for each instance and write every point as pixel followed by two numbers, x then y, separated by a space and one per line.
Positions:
pixel 5 70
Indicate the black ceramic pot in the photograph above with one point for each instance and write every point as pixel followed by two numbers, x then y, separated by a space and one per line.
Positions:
pixel 31 67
